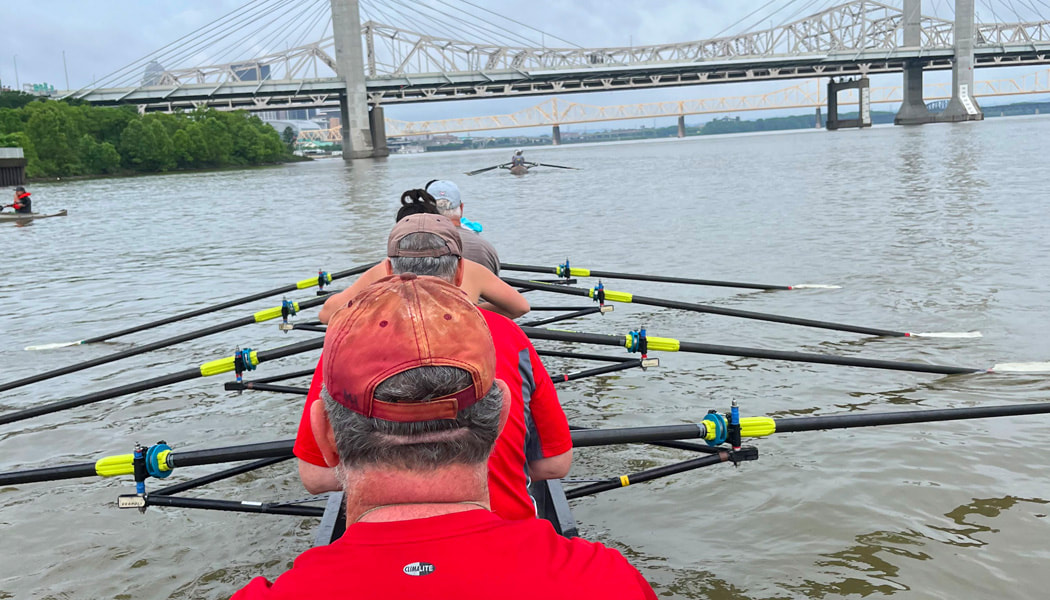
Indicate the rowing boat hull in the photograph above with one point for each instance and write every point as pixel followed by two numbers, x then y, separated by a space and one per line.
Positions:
pixel 519 170
pixel 29 216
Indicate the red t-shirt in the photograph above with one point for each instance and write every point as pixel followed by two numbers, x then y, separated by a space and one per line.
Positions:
pixel 536 428
pixel 466 555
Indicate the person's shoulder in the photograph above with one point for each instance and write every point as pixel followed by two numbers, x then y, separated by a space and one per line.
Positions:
pixel 578 563
pixel 501 325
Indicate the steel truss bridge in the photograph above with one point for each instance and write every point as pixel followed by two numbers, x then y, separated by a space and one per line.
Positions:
pixel 857 38
pixel 808 94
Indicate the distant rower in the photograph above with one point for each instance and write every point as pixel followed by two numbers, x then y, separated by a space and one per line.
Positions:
pixel 23 203
pixel 518 160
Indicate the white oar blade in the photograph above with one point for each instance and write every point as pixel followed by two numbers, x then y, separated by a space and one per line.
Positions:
pixel 815 286
pixel 948 334
pixel 1023 367
pixel 53 346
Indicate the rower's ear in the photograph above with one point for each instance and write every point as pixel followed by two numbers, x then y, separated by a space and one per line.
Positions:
pixel 504 413
pixel 323 434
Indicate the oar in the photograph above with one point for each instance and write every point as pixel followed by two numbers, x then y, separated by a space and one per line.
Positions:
pixel 672 345
pixel 555 166
pixel 577 272
pixel 751 427
pixel 483 170
pixel 215 367
pixel 258 317
pixel 305 283
pixel 625 297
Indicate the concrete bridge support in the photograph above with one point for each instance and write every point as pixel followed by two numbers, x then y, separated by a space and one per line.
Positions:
pixel 358 133
pixel 681 126
pixel 963 106
pixel 556 135
pixel 913 109
pixel 863 108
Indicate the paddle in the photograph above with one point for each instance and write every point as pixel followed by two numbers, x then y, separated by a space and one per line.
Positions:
pixel 555 166
pixel 750 427
pixel 485 169
pixel 765 426
pixel 215 367
pixel 673 345
pixel 715 310
pixel 258 317
pixel 577 272
pixel 305 283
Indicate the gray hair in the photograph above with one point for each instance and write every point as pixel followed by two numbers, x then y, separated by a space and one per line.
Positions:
pixel 443 267
pixel 452 213
pixel 468 439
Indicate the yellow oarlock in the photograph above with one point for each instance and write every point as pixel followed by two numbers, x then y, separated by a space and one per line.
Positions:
pixel 162 460
pixel 574 272
pixel 225 365
pixel 272 313
pixel 111 466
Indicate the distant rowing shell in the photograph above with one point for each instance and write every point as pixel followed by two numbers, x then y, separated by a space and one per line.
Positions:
pixel 4 217
pixel 519 170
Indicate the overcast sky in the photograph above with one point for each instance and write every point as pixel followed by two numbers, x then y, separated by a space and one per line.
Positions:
pixel 101 36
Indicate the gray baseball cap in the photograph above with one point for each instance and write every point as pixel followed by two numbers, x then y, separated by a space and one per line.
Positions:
pixel 446 194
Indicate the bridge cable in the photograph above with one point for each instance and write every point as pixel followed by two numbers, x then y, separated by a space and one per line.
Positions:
pixel 321 13
pixel 533 42
pixel 111 77
pixel 452 26
pixel 523 24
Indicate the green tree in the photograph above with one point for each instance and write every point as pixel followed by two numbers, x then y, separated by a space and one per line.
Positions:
pixel 98 157
pixel 146 147
pixel 55 134
pixel 288 137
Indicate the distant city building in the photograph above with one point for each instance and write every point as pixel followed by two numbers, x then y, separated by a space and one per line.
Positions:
pixel 38 89
pixel 297 125
pixel 153 73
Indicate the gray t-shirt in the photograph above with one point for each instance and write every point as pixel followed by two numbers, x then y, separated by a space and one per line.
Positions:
pixel 479 250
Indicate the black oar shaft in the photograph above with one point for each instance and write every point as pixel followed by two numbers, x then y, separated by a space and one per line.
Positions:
pixel 178 488
pixel 714 310
pixel 583 356
pixel 217 307
pixel 144 348
pixel 590 310
pixel 633 435
pixel 611 340
pixel 623 366
pixel 36 411
pixel 648 475
pixel 234 506
pixel 796 424
pixel 644 277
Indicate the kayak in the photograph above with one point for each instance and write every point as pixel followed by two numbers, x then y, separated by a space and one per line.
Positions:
pixel 12 216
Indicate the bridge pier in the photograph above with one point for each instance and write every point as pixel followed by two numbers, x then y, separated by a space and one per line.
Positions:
pixel 863 108
pixel 913 109
pixel 353 102
pixel 962 106
pixel 556 135
pixel 681 126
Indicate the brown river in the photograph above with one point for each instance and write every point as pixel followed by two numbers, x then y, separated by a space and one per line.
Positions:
pixel 941 228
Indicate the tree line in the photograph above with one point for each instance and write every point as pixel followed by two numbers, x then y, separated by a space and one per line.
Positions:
pixel 62 138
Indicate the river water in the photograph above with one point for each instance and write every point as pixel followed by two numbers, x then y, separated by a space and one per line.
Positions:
pixel 937 228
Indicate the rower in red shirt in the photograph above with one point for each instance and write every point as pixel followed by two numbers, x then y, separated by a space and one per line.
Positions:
pixel 411 408
pixel 23 203
pixel 536 443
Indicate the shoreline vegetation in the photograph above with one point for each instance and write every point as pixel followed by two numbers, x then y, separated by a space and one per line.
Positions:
pixel 73 139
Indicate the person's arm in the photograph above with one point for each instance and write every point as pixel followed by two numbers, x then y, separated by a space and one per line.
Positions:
pixel 318 480
pixel 551 467
pixel 496 295
pixel 338 300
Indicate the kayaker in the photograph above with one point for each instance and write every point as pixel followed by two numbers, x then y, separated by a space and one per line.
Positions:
pixel 518 160
pixel 477 281
pixel 536 443
pixel 23 203
pixel 414 409
pixel 450 203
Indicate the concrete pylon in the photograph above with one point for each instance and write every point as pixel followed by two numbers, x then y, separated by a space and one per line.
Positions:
pixel 913 109
pixel 963 106
pixel 681 126
pixel 556 135
pixel 349 60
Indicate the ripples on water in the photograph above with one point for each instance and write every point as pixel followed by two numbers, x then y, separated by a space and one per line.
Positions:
pixel 938 228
